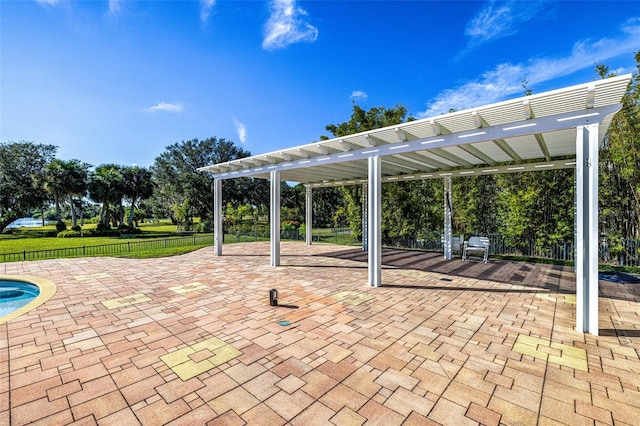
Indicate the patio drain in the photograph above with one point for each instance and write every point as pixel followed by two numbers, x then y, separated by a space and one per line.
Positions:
pixel 284 323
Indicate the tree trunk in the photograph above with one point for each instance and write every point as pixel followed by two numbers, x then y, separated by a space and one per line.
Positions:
pixel 58 215
pixel 104 214
pixel 74 221
pixel 121 214
pixel 131 214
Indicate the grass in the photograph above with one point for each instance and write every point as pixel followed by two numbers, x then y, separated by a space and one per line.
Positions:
pixel 42 239
pixel 41 242
pixel 172 251
pixel 34 239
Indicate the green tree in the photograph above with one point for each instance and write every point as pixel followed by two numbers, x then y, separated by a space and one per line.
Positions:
pixel 176 176
pixel 374 118
pixel 476 204
pixel 64 180
pixel 620 166
pixel 536 207
pixel 106 187
pixel 361 121
pixel 137 186
pixel 181 214
pixel 20 162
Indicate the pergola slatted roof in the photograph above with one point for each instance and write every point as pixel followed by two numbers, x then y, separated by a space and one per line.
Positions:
pixel 558 129
pixel 523 131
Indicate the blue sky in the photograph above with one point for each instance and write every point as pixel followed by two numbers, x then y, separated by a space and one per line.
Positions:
pixel 118 81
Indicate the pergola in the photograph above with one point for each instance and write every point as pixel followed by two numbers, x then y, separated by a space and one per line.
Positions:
pixel 552 130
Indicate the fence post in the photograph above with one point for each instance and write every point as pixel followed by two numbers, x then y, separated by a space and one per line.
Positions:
pixel 194 239
pixel 83 249
pixel 24 255
pixel 129 246
pixel 165 242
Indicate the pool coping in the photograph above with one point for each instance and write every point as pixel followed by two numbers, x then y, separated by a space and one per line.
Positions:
pixel 47 290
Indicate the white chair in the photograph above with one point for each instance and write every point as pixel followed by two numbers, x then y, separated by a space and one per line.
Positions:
pixel 456 242
pixel 476 245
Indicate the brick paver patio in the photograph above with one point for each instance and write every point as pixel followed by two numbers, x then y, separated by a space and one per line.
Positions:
pixel 192 340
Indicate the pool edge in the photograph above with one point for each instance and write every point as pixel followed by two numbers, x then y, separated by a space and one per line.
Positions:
pixel 47 290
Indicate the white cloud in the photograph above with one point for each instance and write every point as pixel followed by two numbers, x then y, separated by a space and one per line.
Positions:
pixel 359 95
pixel 242 131
pixel 163 106
pixel 287 25
pixel 48 2
pixel 115 6
pixel 500 19
pixel 206 7
pixel 506 79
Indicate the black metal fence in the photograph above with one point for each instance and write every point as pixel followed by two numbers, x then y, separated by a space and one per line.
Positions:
pixel 110 249
pixel 625 252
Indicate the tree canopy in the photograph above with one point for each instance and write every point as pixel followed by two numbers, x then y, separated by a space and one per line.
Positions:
pixel 177 179
pixel 20 162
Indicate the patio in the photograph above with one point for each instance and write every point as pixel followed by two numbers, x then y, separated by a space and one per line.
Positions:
pixel 192 340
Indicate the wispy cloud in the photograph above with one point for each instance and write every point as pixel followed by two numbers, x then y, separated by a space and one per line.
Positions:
pixel 358 95
pixel 206 7
pixel 115 6
pixel 242 131
pixel 48 2
pixel 500 19
pixel 506 79
pixel 287 25
pixel 167 107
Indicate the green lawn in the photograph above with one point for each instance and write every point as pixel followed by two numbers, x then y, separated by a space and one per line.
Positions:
pixel 32 239
pixel 155 240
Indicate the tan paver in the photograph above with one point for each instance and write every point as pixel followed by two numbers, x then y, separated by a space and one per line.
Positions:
pixel 547 350
pixel 201 357
pixel 121 302
pixel 192 340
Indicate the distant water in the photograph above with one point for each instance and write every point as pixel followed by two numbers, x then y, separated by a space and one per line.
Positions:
pixel 27 222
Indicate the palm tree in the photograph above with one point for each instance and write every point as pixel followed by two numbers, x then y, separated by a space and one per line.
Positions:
pixel 105 186
pixel 137 186
pixel 77 181
pixel 54 177
pixel 64 179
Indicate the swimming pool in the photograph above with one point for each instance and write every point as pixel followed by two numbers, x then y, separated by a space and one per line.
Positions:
pixel 16 294
pixel 20 294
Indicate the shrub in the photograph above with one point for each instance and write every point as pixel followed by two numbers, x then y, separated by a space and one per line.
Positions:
pixel 289 225
pixel 69 234
pixel 77 228
pixel 124 229
pixel 102 227
pixel 61 226
pixel 205 226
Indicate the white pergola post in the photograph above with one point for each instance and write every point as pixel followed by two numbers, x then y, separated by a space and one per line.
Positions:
pixel 374 219
pixel 365 219
pixel 275 218
pixel 217 217
pixel 308 215
pixel 587 229
pixel 448 213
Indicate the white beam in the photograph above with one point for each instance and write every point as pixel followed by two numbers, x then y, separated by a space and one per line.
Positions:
pixel 374 220
pixel 275 218
pixel 587 229
pixel 217 217
pixel 448 213
pixel 552 123
pixel 365 218
pixel 308 215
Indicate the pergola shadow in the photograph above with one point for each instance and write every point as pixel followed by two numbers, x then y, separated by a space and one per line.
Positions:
pixel 542 277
